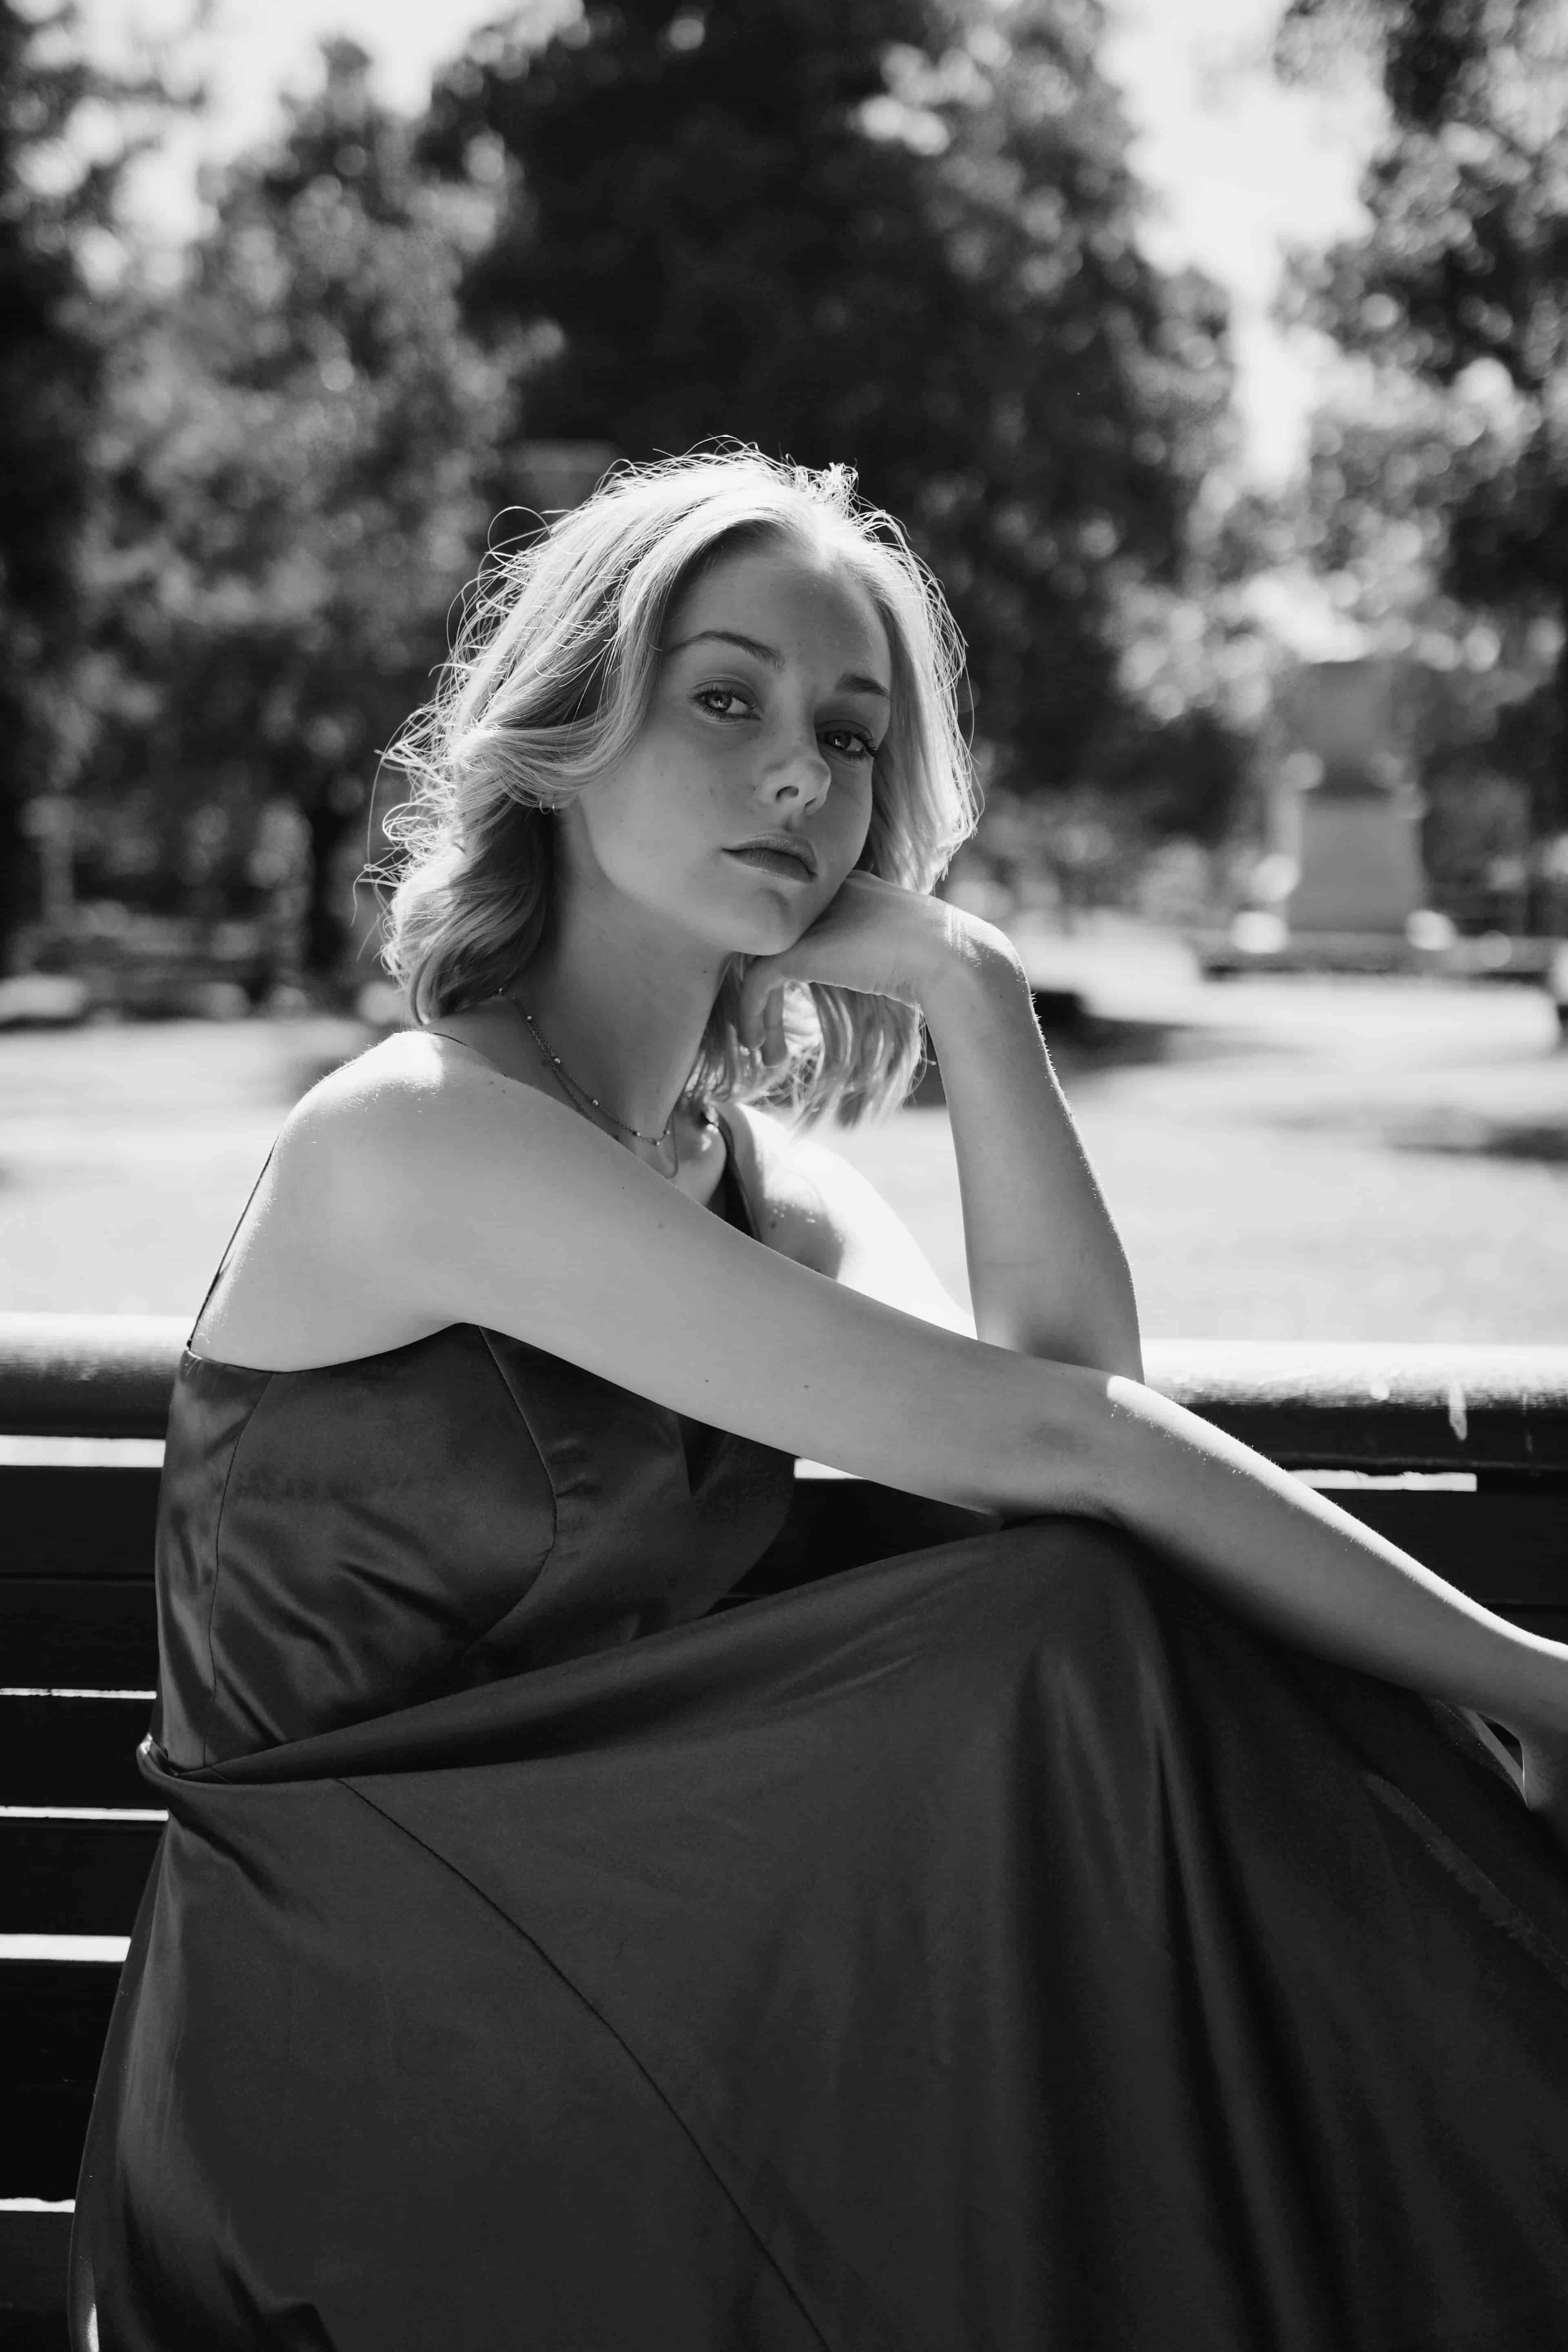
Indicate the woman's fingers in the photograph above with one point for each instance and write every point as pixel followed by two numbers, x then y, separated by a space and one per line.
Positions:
pixel 775 1045
pixel 874 936
pixel 761 999
pixel 762 1021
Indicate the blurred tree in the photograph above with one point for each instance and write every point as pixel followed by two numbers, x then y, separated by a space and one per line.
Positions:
pixel 53 197
pixel 1460 284
pixel 899 233
pixel 292 498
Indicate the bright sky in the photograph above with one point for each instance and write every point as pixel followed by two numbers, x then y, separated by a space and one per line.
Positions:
pixel 1240 168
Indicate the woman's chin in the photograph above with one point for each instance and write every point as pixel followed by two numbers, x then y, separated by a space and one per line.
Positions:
pixel 765 931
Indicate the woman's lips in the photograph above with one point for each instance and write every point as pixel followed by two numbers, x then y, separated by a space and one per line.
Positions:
pixel 781 861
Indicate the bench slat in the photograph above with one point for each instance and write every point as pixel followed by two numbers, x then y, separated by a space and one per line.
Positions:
pixel 1329 1404
pixel 59 1521
pixel 46 2131
pixel 54 2015
pixel 33 2253
pixel 88 1375
pixel 77 1633
pixel 64 1877
pixel 71 1752
pixel 1510 1550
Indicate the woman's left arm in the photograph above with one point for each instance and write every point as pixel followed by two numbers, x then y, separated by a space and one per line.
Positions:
pixel 1048 1273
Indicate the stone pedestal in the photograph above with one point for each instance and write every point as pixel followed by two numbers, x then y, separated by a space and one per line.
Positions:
pixel 1347 810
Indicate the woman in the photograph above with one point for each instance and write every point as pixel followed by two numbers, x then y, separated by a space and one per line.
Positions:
pixel 1079 1935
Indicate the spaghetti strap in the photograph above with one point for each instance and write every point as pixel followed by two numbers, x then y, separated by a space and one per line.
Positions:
pixel 229 1245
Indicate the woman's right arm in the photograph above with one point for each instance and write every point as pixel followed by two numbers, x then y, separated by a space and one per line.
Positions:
pixel 482 1202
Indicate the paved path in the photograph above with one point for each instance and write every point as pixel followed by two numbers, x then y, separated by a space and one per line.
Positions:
pixel 1286 1159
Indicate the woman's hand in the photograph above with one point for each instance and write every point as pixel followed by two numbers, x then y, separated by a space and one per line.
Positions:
pixel 1047 1274
pixel 872 936
pixel 1539 1772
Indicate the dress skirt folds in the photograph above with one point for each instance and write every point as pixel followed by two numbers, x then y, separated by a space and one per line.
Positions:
pixel 997 1948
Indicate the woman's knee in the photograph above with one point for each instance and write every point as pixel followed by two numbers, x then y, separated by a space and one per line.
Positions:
pixel 1069 1579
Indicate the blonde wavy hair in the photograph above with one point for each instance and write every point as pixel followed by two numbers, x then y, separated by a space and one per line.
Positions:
pixel 550 681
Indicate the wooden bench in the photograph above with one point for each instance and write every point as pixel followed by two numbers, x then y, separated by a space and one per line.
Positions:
pixel 1470 1445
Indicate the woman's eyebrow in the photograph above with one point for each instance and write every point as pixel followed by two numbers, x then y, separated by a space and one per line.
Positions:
pixel 769 654
pixel 856 680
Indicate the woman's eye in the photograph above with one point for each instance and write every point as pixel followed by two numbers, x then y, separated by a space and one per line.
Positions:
pixel 708 696
pixel 849 743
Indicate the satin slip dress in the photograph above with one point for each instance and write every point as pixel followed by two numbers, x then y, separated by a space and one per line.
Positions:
pixel 994 1949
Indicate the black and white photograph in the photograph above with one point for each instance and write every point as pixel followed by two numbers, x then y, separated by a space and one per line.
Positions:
pixel 783 1176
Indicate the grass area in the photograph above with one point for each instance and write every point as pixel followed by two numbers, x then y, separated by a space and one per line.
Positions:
pixel 1310 1161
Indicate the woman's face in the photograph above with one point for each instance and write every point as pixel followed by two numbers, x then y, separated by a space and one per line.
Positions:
pixel 773 694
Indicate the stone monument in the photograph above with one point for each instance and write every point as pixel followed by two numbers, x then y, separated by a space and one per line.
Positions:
pixel 1346 809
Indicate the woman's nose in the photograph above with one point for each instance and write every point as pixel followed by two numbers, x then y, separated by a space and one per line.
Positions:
pixel 799 775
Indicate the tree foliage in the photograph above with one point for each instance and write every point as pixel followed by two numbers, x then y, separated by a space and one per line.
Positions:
pixel 51 367
pixel 896 232
pixel 291 498
pixel 899 233
pixel 1461 285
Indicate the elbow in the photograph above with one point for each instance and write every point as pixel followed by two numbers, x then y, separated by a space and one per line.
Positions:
pixel 1117 1352
pixel 1060 1448
pixel 1097 1333
pixel 1117 1341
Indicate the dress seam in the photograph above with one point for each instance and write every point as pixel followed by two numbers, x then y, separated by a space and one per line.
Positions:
pixel 545 1464
pixel 217 1552
pixel 768 2256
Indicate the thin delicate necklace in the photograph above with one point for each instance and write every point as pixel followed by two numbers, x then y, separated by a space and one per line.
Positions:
pixel 584 1100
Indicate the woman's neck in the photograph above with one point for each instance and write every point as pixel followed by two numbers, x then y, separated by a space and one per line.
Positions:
pixel 624 1009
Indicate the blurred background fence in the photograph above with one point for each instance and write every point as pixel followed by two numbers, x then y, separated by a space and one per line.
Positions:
pixel 1298 725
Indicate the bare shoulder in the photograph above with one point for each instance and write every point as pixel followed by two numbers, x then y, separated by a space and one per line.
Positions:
pixel 816 1209
pixel 305 1283
pixel 411 1088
